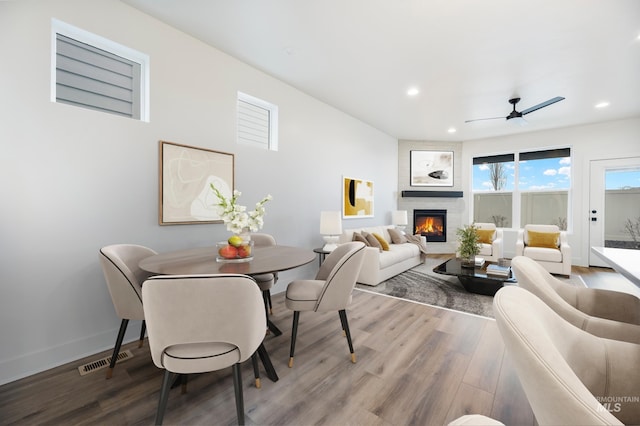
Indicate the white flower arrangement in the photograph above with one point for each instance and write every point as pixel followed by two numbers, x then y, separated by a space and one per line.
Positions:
pixel 235 216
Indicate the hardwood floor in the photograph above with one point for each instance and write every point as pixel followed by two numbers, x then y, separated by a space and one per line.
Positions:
pixel 417 365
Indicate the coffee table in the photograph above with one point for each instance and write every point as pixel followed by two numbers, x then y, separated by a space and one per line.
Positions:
pixel 474 280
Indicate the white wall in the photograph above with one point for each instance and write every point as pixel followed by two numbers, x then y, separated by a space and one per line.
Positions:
pixel 608 140
pixel 73 180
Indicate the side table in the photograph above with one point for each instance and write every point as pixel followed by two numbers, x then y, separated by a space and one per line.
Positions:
pixel 321 254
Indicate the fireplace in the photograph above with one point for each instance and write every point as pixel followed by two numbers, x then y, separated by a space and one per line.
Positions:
pixel 431 224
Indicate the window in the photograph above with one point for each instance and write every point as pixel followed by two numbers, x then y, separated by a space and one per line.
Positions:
pixel 92 72
pixel 532 187
pixel 493 184
pixel 544 183
pixel 257 122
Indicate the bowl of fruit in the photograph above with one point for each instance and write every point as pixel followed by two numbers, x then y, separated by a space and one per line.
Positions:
pixel 235 249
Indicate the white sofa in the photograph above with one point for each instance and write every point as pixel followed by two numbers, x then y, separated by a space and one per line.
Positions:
pixel 382 265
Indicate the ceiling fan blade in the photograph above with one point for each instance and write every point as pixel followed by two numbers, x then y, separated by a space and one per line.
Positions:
pixel 542 105
pixel 481 119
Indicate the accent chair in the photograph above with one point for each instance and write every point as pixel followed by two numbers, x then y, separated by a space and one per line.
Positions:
pixel 547 245
pixel 570 377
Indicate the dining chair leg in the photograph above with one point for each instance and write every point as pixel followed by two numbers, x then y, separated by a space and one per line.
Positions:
pixel 237 386
pixel 270 304
pixel 116 349
pixel 184 379
pixel 345 325
pixel 265 298
pixel 294 332
pixel 256 369
pixel 143 329
pixel 164 396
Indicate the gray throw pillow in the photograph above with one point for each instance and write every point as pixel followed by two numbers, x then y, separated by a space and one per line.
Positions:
pixel 373 241
pixel 397 237
pixel 358 237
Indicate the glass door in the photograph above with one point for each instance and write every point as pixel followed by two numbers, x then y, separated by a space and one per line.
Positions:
pixel 614 211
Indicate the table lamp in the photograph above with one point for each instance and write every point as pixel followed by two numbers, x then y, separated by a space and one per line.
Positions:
pixel 399 219
pixel 330 228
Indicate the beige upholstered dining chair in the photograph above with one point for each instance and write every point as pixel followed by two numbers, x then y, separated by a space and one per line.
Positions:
pixel 202 323
pixel 329 291
pixel 546 244
pixel 124 279
pixel 603 313
pixel 569 376
pixel 265 281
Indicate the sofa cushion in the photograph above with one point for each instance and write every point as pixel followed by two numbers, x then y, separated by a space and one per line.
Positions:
pixel 486 250
pixel 397 237
pixel 543 254
pixel 486 235
pixel 383 243
pixel 397 253
pixel 543 239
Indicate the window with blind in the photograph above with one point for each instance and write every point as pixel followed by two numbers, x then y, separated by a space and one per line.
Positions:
pixel 257 122
pixel 516 189
pixel 95 73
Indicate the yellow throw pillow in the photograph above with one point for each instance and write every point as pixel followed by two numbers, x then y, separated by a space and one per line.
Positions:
pixel 486 235
pixel 382 241
pixel 543 239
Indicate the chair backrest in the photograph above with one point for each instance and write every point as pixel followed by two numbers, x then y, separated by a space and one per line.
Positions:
pixel 340 271
pixel 538 228
pixel 534 278
pixel 124 277
pixel 197 309
pixel 263 239
pixel 565 371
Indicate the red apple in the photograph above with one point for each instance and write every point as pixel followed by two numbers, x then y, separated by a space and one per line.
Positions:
pixel 228 252
pixel 244 251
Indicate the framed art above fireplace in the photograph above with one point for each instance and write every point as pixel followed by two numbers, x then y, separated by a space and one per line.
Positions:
pixel 431 168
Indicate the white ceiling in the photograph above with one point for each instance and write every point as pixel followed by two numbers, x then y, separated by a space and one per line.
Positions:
pixel 467 57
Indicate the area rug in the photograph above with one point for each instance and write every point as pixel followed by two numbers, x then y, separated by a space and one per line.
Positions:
pixel 421 284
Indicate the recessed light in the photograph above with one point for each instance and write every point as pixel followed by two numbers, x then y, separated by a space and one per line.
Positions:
pixel 602 104
pixel 413 91
pixel 451 130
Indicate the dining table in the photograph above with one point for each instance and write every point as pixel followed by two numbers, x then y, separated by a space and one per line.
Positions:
pixel 205 260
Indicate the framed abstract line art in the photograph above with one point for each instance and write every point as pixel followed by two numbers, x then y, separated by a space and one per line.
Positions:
pixel 431 168
pixel 186 172
pixel 357 198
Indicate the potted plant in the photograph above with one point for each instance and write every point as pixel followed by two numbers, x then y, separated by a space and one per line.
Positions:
pixel 469 244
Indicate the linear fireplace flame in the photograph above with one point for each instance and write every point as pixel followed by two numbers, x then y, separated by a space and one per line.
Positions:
pixel 431 223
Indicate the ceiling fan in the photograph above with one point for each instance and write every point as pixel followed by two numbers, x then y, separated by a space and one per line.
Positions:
pixel 519 114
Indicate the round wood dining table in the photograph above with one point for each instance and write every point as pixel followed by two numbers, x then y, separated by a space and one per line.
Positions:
pixel 203 260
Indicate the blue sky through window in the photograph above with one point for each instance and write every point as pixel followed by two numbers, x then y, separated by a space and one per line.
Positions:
pixel 622 179
pixel 534 175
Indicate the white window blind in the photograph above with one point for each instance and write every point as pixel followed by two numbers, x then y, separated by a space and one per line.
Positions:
pixel 257 122
pixel 102 76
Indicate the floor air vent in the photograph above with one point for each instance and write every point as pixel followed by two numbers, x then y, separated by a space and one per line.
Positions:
pixel 103 363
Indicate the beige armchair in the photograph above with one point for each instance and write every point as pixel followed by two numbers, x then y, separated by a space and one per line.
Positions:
pixel 329 291
pixel 124 279
pixel 547 245
pixel 202 323
pixel 491 243
pixel 570 377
